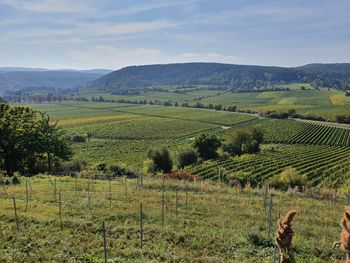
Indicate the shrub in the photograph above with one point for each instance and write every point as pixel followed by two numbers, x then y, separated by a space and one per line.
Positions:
pixel 15 180
pixel 161 161
pixel 101 167
pixel 181 175
pixel 239 179
pixel 206 146
pixel 244 141
pixel 71 166
pixel 289 177
pixel 186 157
pixel 78 138
pixel 257 240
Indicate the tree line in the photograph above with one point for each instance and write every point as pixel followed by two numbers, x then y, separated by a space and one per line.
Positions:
pixel 206 147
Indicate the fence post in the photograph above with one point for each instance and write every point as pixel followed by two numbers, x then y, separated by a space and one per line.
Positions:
pixel 30 186
pixel 186 195
pixel 25 210
pixel 265 197
pixel 15 210
pixel 3 187
pixel 163 205
pixel 110 191
pixel 60 209
pixel 125 188
pixel 348 196
pixel 141 225
pixel 55 190
pixel 176 202
pixel 104 242
pixel 76 184
pixel 270 216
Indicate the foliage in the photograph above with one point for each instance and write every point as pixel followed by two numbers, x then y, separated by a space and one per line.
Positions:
pixel 184 176
pixel 289 177
pixel 206 146
pixel 78 138
pixel 26 138
pixel 186 157
pixel 238 77
pixel 242 141
pixel 342 118
pixel 161 160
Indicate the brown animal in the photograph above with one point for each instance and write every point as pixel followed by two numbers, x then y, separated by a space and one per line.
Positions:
pixel 345 234
pixel 284 237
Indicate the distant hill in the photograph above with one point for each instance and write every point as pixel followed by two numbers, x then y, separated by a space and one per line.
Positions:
pixel 242 77
pixel 20 78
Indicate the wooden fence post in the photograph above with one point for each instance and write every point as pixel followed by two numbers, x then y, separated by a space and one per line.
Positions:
pixel 15 210
pixel 270 216
pixel 27 197
pixel 60 209
pixel 141 225
pixel 104 242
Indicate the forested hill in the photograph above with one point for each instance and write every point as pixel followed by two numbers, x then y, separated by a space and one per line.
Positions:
pixel 20 78
pixel 243 77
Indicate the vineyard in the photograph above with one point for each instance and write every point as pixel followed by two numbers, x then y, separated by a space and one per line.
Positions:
pixel 294 132
pixel 64 219
pixel 324 166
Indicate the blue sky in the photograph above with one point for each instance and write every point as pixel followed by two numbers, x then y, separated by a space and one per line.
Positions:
pixel 83 34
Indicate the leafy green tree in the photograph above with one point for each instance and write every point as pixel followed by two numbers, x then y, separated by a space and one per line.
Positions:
pixel 52 141
pixel 26 138
pixel 161 160
pixel 206 146
pixel 244 141
pixel 187 157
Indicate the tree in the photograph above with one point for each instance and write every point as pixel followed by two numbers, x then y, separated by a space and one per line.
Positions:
pixel 206 146
pixel 52 141
pixel 244 141
pixel 161 160
pixel 26 138
pixel 187 157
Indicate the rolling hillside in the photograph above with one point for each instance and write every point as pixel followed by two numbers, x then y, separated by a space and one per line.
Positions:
pixel 20 78
pixel 243 77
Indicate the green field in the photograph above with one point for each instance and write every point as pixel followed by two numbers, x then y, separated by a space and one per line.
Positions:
pixel 124 133
pixel 323 166
pixel 322 102
pixel 216 223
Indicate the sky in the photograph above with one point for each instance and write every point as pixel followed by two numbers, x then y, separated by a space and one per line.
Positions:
pixel 111 34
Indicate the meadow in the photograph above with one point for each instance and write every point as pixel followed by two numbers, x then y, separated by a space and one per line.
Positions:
pixel 61 219
pixel 311 101
pixel 124 133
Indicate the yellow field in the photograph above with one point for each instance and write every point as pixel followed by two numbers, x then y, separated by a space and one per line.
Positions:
pixel 339 99
pixel 77 121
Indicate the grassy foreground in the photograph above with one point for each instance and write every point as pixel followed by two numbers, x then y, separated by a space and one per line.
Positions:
pixel 218 224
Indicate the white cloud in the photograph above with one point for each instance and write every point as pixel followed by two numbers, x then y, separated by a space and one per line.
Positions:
pixel 125 28
pixel 50 6
pixel 115 58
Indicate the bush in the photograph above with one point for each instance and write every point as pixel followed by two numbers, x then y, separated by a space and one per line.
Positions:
pixel 206 146
pixel 289 177
pixel 244 141
pixel 78 138
pixel 71 166
pixel 101 167
pixel 15 180
pixel 181 175
pixel 239 179
pixel 161 161
pixel 186 157
pixel 257 240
